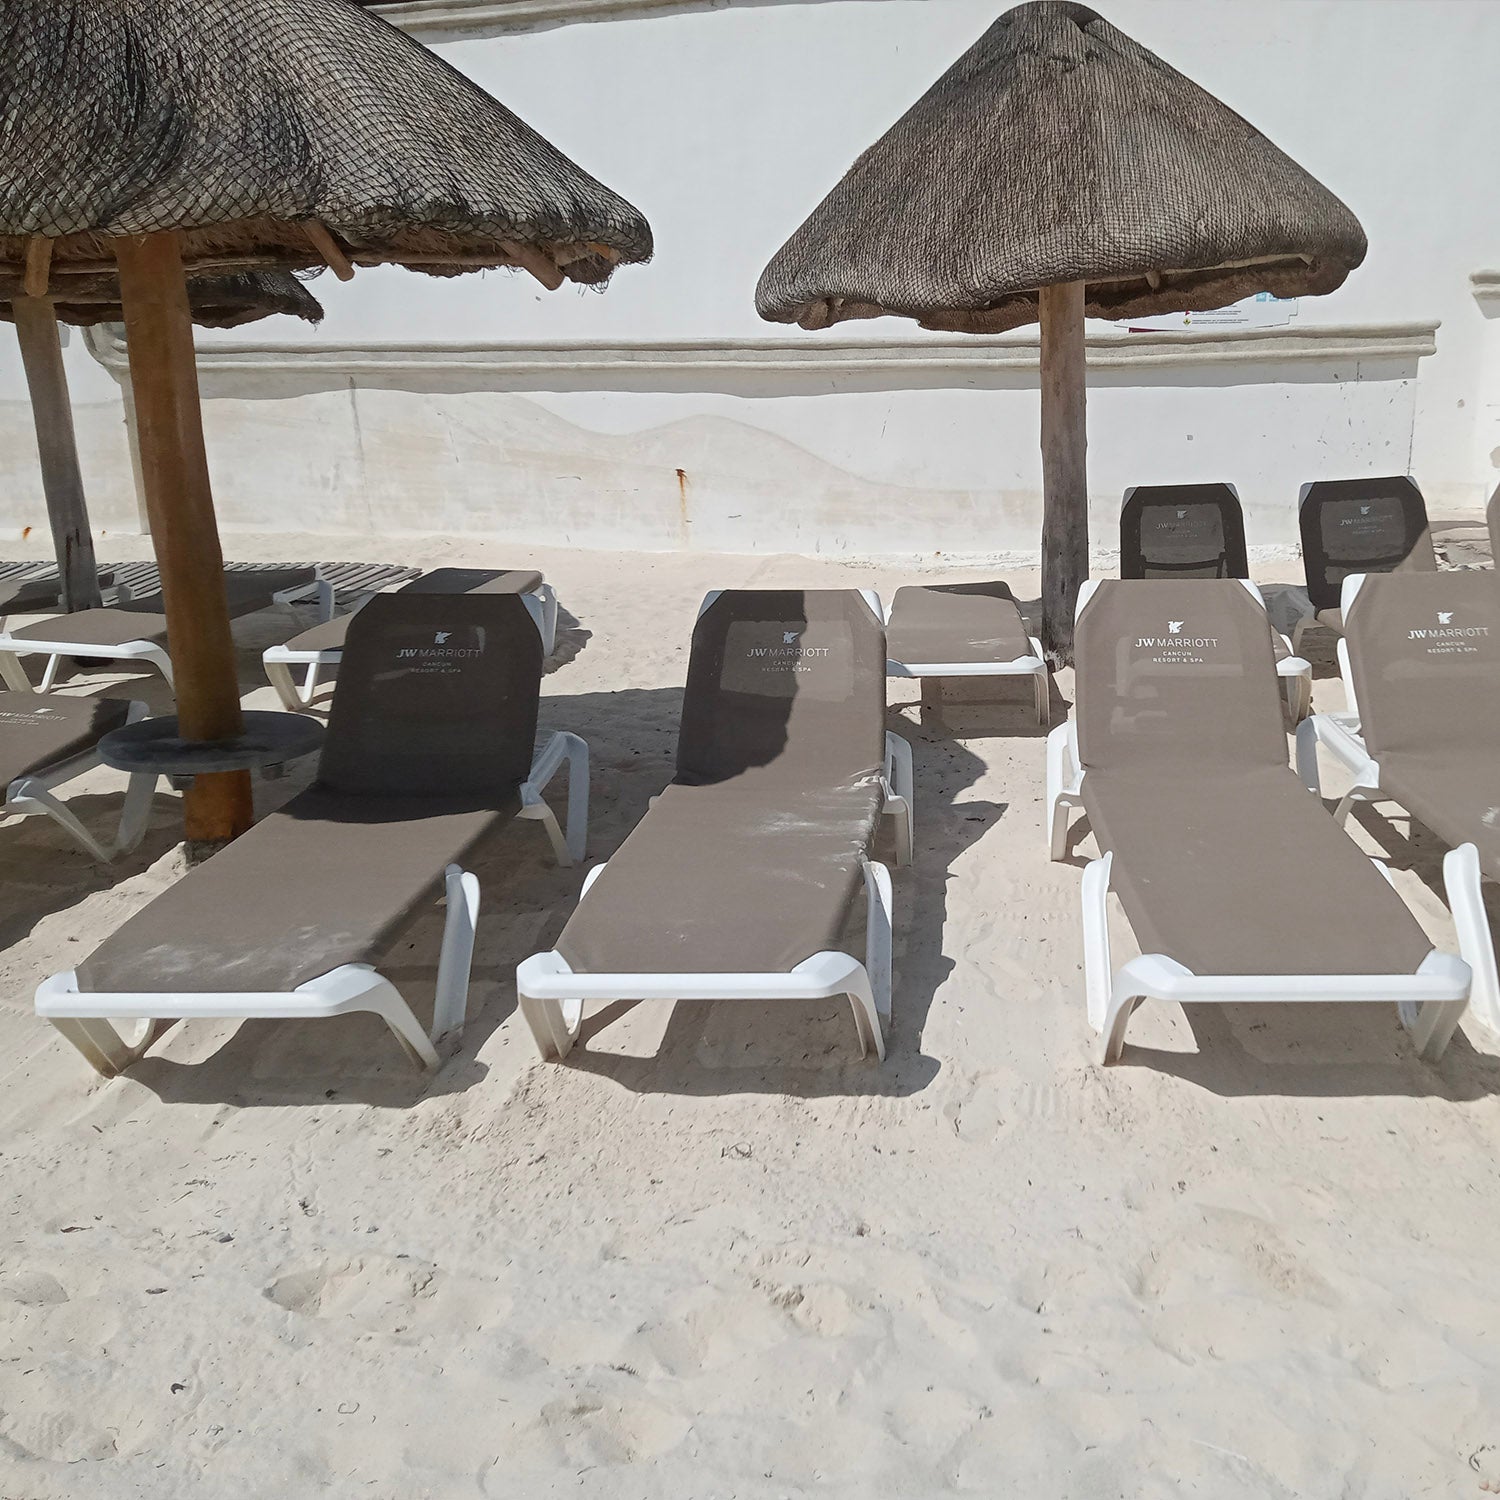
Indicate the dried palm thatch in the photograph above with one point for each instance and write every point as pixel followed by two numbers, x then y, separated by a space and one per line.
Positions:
pixel 1058 150
pixel 287 133
pixel 215 301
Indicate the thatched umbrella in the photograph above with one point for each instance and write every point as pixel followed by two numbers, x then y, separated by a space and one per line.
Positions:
pixel 1060 171
pixel 216 302
pixel 157 135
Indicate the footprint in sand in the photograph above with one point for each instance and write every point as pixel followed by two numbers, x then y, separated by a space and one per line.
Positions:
pixel 590 1428
pixel 396 1297
pixel 32 1289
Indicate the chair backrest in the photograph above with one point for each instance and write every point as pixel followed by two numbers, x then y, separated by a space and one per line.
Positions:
pixel 1361 526
pixel 788 680
pixel 1424 652
pixel 437 696
pixel 1182 531
pixel 1176 673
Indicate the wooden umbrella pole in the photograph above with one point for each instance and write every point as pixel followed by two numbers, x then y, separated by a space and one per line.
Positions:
pixel 184 533
pixel 1065 520
pixel 57 446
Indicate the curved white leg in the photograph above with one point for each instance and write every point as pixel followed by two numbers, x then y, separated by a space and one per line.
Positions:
pixel 878 965
pixel 106 1051
pixel 14 673
pixel 455 962
pixel 1462 879
pixel 1116 1019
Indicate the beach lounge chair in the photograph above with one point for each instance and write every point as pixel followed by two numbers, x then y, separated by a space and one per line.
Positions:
pixel 321 646
pixel 1198 531
pixel 738 881
pixel 429 753
pixel 135 629
pixel 46 742
pixel 1238 886
pixel 962 630
pixel 1421 665
pixel 1356 526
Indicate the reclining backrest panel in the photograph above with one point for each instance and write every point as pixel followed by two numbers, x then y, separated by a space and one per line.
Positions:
pixel 437 696
pixel 785 679
pixel 1424 649
pixel 1361 526
pixel 1182 531
pixel 1176 672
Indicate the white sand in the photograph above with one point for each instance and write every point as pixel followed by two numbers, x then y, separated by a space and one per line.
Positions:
pixel 715 1255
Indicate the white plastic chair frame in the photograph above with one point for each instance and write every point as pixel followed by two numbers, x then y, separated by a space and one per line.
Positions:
pixel 86 1018
pixel 1463 878
pixel 13 648
pixel 32 794
pixel 298 696
pixel 552 997
pixel 1430 1002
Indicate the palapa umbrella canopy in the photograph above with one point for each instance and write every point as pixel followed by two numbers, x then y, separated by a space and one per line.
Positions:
pixel 152 135
pixel 1060 170
pixel 216 302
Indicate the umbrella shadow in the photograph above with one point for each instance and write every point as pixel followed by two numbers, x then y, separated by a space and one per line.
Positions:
pixel 46 872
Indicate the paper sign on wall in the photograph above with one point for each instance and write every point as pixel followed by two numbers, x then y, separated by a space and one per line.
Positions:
pixel 1260 311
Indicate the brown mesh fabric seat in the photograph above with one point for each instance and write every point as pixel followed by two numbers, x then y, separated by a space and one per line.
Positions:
pixel 1198 531
pixel 1182 531
pixel 429 751
pixel 742 873
pixel 37 732
pixel 1236 882
pixel 1423 661
pixel 962 630
pixel 1359 526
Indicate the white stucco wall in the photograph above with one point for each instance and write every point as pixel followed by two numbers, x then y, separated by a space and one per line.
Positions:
pixel 671 416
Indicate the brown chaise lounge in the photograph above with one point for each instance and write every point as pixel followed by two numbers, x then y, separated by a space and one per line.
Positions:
pixel 46 741
pixel 429 754
pixel 135 629
pixel 962 630
pixel 1357 526
pixel 1421 665
pixel 1198 531
pixel 1237 885
pixel 738 882
pixel 323 644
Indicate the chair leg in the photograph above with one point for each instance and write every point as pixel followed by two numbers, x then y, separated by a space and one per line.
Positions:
pixel 293 698
pixel 1435 1024
pixel 1116 1019
pixel 455 963
pixel 878 964
pixel 107 1052
pixel 14 673
pixel 1463 882
pixel 397 1014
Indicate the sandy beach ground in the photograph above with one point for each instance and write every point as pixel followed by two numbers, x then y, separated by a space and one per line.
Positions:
pixel 715 1255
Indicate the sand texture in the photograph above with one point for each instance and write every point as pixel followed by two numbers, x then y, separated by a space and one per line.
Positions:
pixel 714 1255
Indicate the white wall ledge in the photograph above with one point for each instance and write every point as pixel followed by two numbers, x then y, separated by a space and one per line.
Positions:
pixel 1335 344
pixel 456 17
pixel 1486 286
